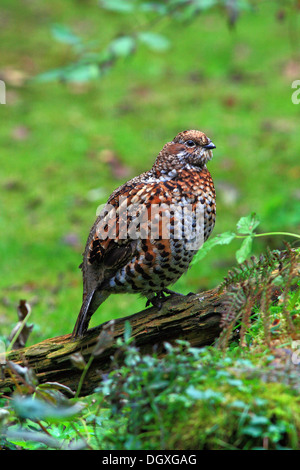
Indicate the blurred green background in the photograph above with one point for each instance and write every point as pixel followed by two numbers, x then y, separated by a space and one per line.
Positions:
pixel 65 145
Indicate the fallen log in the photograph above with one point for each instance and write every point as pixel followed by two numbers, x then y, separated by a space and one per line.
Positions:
pixel 195 318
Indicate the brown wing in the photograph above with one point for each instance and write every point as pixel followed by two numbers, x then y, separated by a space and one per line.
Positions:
pixel 108 243
pixel 106 250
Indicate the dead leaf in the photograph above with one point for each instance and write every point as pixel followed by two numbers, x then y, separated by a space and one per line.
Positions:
pixel 105 339
pixel 23 309
pixel 291 69
pixel 20 133
pixel 23 330
pixel 13 76
pixel 229 101
pixel 118 169
pixel 78 361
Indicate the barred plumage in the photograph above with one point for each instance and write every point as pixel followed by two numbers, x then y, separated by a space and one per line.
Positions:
pixel 151 227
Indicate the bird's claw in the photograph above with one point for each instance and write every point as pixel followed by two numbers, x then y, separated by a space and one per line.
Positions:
pixel 159 297
pixel 156 300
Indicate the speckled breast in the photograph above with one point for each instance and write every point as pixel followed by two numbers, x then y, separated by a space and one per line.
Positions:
pixel 180 215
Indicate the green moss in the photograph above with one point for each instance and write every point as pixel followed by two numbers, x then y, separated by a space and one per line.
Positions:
pixel 202 399
pixel 263 415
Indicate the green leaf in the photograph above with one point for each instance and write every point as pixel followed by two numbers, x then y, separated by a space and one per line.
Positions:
pixel 194 393
pixel 32 440
pixel 82 73
pixel 32 408
pixel 222 239
pixel 243 253
pixel 252 431
pixel 154 7
pixel 127 331
pixel 239 404
pixel 79 72
pixel 248 224
pixel 208 394
pixel 205 4
pixel 63 34
pixel 122 46
pixel 154 41
pixel 258 420
pixel 121 6
pixel 50 76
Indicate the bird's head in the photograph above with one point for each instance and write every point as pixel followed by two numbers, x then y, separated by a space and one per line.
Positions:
pixel 188 149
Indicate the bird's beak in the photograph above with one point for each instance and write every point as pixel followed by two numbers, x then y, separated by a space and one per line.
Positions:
pixel 210 146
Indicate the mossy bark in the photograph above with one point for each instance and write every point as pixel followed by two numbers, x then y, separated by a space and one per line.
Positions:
pixel 195 318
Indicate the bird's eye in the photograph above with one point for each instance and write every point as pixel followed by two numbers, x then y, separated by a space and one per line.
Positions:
pixel 190 143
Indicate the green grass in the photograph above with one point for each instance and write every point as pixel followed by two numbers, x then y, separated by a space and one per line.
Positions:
pixel 233 84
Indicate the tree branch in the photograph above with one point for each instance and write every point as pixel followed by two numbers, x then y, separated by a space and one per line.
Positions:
pixel 194 318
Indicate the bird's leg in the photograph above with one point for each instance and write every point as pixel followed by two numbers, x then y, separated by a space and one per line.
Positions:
pixel 171 292
pixel 156 300
pixel 155 303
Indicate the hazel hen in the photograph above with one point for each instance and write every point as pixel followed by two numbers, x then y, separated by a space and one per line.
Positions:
pixel 151 227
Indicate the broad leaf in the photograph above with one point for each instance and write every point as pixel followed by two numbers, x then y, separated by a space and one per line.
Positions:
pixel 121 6
pixel 248 224
pixel 122 46
pixel 79 73
pixel 154 41
pixel 222 239
pixel 63 34
pixel 245 250
pixel 35 409
pixel 127 331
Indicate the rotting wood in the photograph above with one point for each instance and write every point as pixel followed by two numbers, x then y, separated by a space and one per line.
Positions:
pixel 194 318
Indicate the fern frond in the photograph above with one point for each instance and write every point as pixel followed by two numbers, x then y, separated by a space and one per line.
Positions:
pixel 253 283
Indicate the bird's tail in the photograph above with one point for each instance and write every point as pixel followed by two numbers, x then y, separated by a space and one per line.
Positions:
pixel 90 304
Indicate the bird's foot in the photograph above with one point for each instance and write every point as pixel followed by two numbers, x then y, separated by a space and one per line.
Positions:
pixel 156 300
